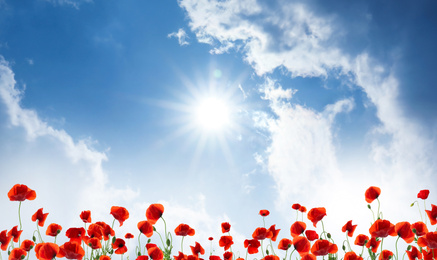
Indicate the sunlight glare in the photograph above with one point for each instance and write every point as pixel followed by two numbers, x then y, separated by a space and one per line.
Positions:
pixel 212 114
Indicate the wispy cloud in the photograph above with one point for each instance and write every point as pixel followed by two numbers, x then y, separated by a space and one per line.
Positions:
pixel 72 3
pixel 181 35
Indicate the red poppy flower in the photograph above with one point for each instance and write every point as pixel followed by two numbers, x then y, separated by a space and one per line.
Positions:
pixel 429 240
pixel 27 245
pixel 414 253
pixel 4 240
pixel 106 230
pixel 21 192
pixel 301 244
pixel 75 234
pixel 285 244
pixel 210 238
pixel 373 244
pixel 385 255
pixel 129 236
pixel 155 253
pixel 419 228
pixel 46 251
pixel 105 257
pixel 40 216
pixel 296 206
pixel 297 228
pixel 275 232
pixel 184 230
pixel 382 228
pixel 349 228
pixel 193 257
pixel 96 231
pixel 17 254
pixel 352 256
pixel 120 246
pixel 429 254
pixel 71 251
pixel 316 214
pixel 93 242
pixel 53 230
pixel 271 257
pixel 372 193
pixel 423 194
pixel 15 234
pixel 262 233
pixel 303 209
pixel 403 229
pixel 323 247
pixel 146 228
pixel 227 256
pixel 308 256
pixel 86 216
pixel 311 235
pixel 154 212
pixel 432 214
pixel 226 242
pixel 181 256
pixel 361 240
pixel 197 249
pixel 214 257
pixel 264 212
pixel 120 214
pixel 252 245
pixel 226 227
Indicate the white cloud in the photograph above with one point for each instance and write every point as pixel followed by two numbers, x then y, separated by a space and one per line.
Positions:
pixel 73 3
pixel 181 35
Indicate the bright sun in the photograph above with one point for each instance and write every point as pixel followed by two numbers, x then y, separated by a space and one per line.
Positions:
pixel 212 114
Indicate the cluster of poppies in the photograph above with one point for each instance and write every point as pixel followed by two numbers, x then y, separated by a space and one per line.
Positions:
pixel 100 242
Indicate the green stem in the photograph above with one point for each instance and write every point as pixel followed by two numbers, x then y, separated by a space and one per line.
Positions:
pixel 262 250
pixel 182 244
pixel 379 205
pixel 19 219
pixel 347 240
pixel 271 246
pixel 39 234
pixel 424 206
pixel 382 241
pixel 292 253
pixel 139 243
pixel 396 245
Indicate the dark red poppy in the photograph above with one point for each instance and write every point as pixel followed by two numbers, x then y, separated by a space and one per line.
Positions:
pixel 181 256
pixel 86 216
pixel 382 228
pixel 15 233
pixel 214 257
pixel 129 236
pixel 308 256
pixel 285 244
pixel 155 253
pixel 419 228
pixel 423 194
pixel 352 256
pixel 414 253
pixel 323 247
pixel 210 238
pixel 27 245
pixel 429 254
pixel 275 232
pixel 361 240
pixel 120 246
pixel 403 229
pixel 349 228
pixel 4 240
pixel 226 227
pixel 40 217
pixel 372 193
pixel 17 254
pixel 301 244
pixel 432 214
pixel 150 245
pixel 96 231
pixel 226 242
pixel 154 212
pixel 264 212
pixel 429 240
pixel 385 255
pixel 311 235
pixel 53 230
pixel 93 242
pixel 146 228
pixel 197 249
pixel 373 244
pixel 71 250
pixel 227 255
pixel 21 192
pixel 297 228
pixel 184 230
pixel 271 257
pixel 120 214
pixel 106 229
pixel 296 206
pixel 75 234
pixel 262 233
pixel 193 257
pixel 303 209
pixel 316 214
pixel 46 251
pixel 252 245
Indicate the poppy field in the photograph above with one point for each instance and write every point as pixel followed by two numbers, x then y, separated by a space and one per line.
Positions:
pixel 98 240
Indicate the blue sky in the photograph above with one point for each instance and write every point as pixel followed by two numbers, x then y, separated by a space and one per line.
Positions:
pixel 99 103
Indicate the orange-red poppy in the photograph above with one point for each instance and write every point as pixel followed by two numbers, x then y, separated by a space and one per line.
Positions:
pixel 21 192
pixel 349 228
pixel 15 233
pixel 361 240
pixel 95 230
pixel 184 230
pixel 155 253
pixel 93 242
pixel 46 251
pixel 382 228
pixel 226 242
pixel 285 244
pixel 429 254
pixel 423 194
pixel 385 255
pixel 120 214
pixel 323 247
pixel 71 250
pixel 120 246
pixel 303 209
pixel 316 214
pixel 271 257
pixel 193 257
pixel 86 216
pixel 264 212
pixel 301 244
pixel 429 240
pixel 226 227
pixel 419 228
pixel 105 257
pixel 372 193
pixel 197 249
pixel 214 257
pixel 154 212
pixel 414 253
pixel 146 228
pixel 352 256
pixel 296 206
pixel 181 256
pixel 4 240
pixel 53 230
pixel 262 233
pixel 227 255
pixel 297 228
pixel 75 234
pixel 308 256
pixel 373 244
pixel 27 245
pixel 432 214
pixel 17 254
pixel 106 229
pixel 275 232
pixel 252 245
pixel 403 229
pixel 311 235
pixel 129 236
pixel 40 217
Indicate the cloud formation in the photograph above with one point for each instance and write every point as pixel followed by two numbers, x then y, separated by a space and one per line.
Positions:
pixel 181 35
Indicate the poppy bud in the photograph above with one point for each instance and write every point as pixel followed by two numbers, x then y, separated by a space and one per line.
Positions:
pixel 58 231
pixel 409 247
pixel 34 239
pixel 154 229
pixel 22 256
pixel 267 252
pixel 368 205
pixel 139 253
pixel 414 231
pixel 412 204
pixel 112 251
pixel 328 235
pixel 148 241
pixel 9 252
pixel 113 240
pixel 344 248
pixel 168 242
